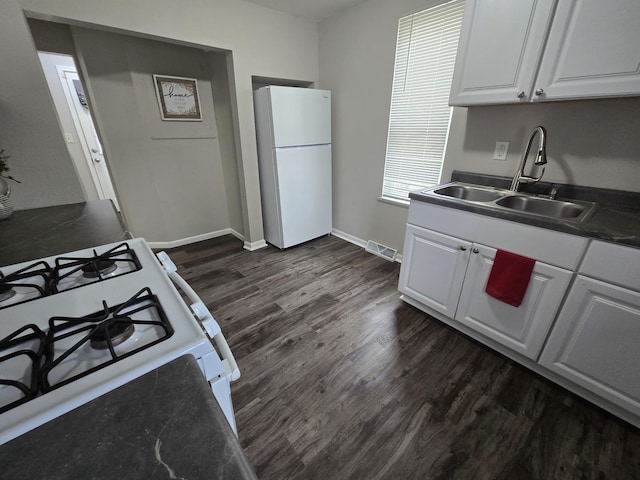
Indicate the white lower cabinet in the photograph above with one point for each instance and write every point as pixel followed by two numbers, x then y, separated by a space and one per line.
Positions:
pixel 433 268
pixel 595 342
pixel 524 328
pixel 449 275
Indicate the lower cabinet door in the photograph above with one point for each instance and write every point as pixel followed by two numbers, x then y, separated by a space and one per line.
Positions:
pixel 522 328
pixel 433 267
pixel 595 342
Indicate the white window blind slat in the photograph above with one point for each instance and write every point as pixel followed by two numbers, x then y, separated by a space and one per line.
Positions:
pixel 420 114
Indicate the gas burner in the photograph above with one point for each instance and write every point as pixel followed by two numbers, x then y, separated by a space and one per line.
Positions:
pixel 27 283
pixel 6 292
pixel 79 346
pixel 115 331
pixel 103 266
pixel 74 272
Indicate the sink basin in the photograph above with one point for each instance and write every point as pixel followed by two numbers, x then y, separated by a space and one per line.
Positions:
pixel 502 199
pixel 469 193
pixel 546 207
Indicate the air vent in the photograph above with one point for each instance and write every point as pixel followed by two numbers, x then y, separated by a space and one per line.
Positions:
pixel 382 251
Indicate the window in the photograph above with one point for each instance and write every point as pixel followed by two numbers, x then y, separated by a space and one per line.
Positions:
pixel 420 112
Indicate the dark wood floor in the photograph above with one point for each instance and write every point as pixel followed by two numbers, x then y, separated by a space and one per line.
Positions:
pixel 342 380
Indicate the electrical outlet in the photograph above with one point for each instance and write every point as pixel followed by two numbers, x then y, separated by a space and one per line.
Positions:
pixel 501 150
pixel 69 137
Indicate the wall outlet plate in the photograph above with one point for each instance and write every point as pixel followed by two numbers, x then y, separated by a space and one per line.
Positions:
pixel 501 150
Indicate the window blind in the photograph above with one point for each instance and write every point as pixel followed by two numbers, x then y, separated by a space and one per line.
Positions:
pixel 420 113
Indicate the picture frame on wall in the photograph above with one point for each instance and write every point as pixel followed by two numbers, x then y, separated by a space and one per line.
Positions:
pixel 178 98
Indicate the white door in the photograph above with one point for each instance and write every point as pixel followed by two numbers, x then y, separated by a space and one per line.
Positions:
pixel 91 146
pixel 594 342
pixel 592 51
pixel 500 46
pixel 304 193
pixel 433 268
pixel 522 328
pixel 300 116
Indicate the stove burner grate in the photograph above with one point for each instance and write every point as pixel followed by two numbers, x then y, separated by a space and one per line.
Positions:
pixel 35 279
pixel 94 269
pixel 6 292
pixel 17 346
pixel 102 330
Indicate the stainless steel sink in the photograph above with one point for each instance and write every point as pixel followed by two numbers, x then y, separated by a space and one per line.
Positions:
pixel 543 206
pixel 470 193
pixel 502 199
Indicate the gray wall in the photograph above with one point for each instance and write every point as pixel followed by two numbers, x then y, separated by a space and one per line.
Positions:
pixel 223 100
pixel 591 142
pixel 264 43
pixel 357 53
pixel 168 175
pixel 29 128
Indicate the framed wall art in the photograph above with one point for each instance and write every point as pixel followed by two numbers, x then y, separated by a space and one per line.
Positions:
pixel 178 98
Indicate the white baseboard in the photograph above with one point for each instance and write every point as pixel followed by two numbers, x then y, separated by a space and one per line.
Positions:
pixel 197 238
pixel 349 238
pixel 357 241
pixel 257 245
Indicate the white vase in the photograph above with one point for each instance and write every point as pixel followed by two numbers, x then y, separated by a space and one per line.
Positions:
pixel 6 207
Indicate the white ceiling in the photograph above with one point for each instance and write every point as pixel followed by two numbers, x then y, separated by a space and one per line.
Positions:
pixel 315 10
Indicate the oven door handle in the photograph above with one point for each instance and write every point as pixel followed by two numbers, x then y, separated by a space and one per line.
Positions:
pixel 211 326
pixel 200 310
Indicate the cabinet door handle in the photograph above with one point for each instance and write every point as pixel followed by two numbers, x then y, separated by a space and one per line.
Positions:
pixel 521 94
pixel 539 92
pixel 476 250
pixel 462 248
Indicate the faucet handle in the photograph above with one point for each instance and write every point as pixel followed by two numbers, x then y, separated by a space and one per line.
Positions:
pixel 525 179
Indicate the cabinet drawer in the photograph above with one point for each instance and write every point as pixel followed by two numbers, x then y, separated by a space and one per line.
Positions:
pixel 548 246
pixel 613 263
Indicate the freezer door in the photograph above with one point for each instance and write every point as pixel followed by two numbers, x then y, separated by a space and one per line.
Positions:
pixel 300 116
pixel 304 188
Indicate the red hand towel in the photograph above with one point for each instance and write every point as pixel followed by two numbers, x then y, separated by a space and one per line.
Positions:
pixel 509 277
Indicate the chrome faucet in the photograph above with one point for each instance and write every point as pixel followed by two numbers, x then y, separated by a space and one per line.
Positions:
pixel 541 159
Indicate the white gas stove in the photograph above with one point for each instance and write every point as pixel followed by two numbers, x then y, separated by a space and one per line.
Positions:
pixel 75 326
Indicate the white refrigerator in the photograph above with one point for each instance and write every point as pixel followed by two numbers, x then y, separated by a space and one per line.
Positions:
pixel 293 127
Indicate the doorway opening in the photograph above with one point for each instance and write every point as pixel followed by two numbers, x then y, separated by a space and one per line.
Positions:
pixel 78 126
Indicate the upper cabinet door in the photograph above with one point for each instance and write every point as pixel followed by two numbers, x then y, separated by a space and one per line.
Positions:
pixel 500 47
pixel 592 51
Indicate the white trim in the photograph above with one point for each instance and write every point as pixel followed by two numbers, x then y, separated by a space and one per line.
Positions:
pixel 253 246
pixel 349 238
pixel 394 201
pixel 357 241
pixel 197 238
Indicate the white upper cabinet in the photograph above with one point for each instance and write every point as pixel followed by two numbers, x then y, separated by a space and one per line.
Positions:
pixel 499 51
pixel 592 51
pixel 535 51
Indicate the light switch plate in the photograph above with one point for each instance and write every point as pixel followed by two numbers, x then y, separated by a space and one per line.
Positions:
pixel 501 150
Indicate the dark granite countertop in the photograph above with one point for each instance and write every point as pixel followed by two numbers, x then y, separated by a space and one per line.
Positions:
pixel 616 219
pixel 165 424
pixel 41 232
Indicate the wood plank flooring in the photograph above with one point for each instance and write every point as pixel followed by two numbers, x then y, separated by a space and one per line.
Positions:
pixel 342 380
